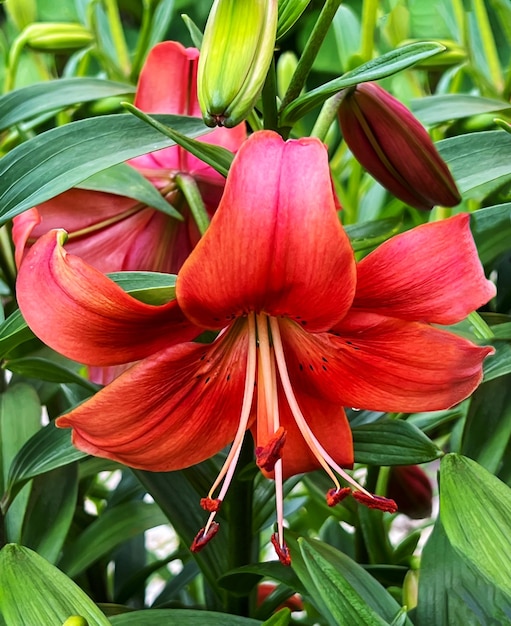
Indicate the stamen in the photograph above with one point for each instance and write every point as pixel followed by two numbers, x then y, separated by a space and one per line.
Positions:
pixel 204 536
pixel 334 496
pixel 282 550
pixel 375 502
pixel 210 504
pixel 325 460
pixel 229 465
pixel 268 455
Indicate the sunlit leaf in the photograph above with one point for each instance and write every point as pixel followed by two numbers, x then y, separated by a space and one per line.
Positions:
pixel 35 592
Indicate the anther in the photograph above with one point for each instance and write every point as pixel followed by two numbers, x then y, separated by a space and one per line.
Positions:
pixel 334 496
pixel 281 550
pixel 268 455
pixel 210 504
pixel 375 502
pixel 203 537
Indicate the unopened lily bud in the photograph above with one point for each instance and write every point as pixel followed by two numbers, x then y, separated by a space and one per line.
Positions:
pixel 286 66
pixel 235 56
pixel 411 488
pixel 54 37
pixel 395 148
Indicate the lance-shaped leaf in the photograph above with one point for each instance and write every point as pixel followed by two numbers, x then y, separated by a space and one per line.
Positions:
pixel 63 157
pixel 475 508
pixel 386 65
pixel 28 102
pixel 180 617
pixel 453 106
pixel 35 592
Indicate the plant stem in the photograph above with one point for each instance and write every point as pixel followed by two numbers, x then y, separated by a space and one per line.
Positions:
pixel 143 40
pixel 121 49
pixel 327 116
pixel 240 514
pixel 190 190
pixel 269 98
pixel 369 12
pixel 310 52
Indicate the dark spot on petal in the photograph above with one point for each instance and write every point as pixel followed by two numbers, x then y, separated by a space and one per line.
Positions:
pixel 324 367
pixel 301 367
pixel 228 377
pixel 324 359
pixel 310 367
pixel 207 380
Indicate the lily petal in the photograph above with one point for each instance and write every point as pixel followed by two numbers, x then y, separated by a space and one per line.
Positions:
pixel 328 424
pixel 79 312
pixel 384 364
pixel 431 273
pixel 189 410
pixel 275 243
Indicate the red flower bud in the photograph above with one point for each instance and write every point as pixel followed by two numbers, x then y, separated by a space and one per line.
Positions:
pixel 395 148
pixel 410 487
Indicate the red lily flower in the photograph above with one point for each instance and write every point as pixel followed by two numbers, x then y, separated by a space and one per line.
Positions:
pixel 115 233
pixel 303 331
pixel 394 147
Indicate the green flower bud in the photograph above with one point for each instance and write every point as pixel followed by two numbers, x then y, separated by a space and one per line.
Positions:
pixel 235 56
pixel 55 37
pixel 286 66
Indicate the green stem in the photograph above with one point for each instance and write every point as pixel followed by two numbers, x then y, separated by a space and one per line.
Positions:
pixel 310 52
pixel 12 63
pixel 327 115
pixel 187 185
pixel 143 40
pixel 269 99
pixel 369 12
pixel 240 544
pixel 488 43
pixel 121 49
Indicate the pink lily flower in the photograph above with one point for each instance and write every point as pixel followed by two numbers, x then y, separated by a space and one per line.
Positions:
pixel 113 232
pixel 303 330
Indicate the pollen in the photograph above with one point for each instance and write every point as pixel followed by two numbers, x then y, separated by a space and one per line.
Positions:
pixel 210 504
pixel 281 550
pixel 375 502
pixel 334 496
pixel 204 536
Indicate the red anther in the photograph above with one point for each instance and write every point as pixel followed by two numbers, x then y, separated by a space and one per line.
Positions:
pixel 281 550
pixel 210 504
pixel 334 496
pixel 268 455
pixel 375 502
pixel 202 537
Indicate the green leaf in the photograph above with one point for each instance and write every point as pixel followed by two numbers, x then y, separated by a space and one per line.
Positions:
pixel 52 95
pixel 392 442
pixel 475 509
pixel 124 180
pixel 178 494
pixel 386 65
pixel 112 528
pixel 351 594
pixel 465 153
pixel 366 235
pixel 20 417
pixel 34 592
pixel 48 449
pixel 46 369
pixel 217 157
pixel 13 332
pixel 63 157
pixel 180 617
pixel 50 511
pixel 491 228
pixel 446 107
pixel 281 618
pixel 149 287
pixel 450 592
pixel 498 364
